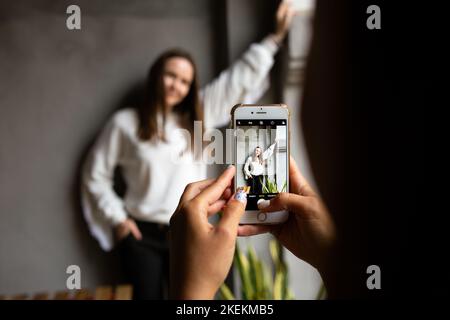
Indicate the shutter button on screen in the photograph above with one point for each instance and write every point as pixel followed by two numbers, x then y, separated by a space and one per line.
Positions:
pixel 261 216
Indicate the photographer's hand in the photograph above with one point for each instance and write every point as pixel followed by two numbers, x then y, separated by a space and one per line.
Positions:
pixel 309 233
pixel 201 254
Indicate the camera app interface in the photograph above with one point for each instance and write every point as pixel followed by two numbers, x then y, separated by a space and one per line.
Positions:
pixel 261 159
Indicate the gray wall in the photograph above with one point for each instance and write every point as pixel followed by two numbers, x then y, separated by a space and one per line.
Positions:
pixel 57 89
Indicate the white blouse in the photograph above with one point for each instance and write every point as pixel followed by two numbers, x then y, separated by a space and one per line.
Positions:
pixel 154 180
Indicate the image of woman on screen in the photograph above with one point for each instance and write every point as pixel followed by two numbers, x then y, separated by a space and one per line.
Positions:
pixel 254 168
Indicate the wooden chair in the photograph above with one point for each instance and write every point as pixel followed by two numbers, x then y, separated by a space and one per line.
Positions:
pixel 120 292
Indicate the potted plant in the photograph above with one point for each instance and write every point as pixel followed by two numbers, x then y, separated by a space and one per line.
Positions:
pixel 258 281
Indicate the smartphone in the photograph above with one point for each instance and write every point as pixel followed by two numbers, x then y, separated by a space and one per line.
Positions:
pixel 261 156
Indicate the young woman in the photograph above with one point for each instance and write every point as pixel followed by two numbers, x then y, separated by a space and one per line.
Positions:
pixel 254 168
pixel 143 142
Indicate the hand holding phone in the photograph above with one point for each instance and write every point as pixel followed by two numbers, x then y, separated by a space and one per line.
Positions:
pixel 194 240
pixel 310 232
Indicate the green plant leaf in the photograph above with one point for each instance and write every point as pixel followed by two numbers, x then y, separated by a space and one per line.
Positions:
pixel 283 269
pixel 252 274
pixel 268 283
pixel 263 293
pixel 278 285
pixel 290 295
pixel 256 277
pixel 226 293
pixel 273 187
pixel 244 272
pixel 322 292
pixel 283 189
pixel 273 247
pixel 255 272
pixel 264 185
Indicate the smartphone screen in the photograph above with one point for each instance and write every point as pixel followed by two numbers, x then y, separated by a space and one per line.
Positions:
pixel 261 158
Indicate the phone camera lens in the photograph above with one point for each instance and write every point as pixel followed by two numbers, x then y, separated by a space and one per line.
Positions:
pixel 252 112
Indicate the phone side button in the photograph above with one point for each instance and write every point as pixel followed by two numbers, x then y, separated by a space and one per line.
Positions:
pixel 261 216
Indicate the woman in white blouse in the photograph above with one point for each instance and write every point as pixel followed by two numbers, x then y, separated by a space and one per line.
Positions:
pixel 143 141
pixel 254 168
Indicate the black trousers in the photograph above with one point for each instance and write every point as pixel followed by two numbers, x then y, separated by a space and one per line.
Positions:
pixel 145 262
pixel 256 184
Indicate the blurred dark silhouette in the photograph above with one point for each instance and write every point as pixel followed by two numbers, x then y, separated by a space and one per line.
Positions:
pixel 362 139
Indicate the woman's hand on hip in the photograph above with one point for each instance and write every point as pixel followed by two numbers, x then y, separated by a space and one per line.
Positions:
pixel 128 226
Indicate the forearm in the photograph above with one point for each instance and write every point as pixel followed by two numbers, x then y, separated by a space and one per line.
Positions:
pixel 100 197
pixel 187 291
pixel 277 39
pixel 246 77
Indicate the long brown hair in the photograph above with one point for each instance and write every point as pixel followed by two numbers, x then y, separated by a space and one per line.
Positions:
pixel 153 104
pixel 254 157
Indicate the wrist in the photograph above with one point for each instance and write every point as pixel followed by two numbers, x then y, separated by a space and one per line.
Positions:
pixel 277 39
pixel 118 221
pixel 193 292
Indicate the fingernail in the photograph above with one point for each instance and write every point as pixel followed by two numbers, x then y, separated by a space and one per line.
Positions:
pixel 241 196
pixel 263 204
pixel 230 166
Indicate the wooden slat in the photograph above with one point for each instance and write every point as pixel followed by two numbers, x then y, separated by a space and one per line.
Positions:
pixel 104 293
pixel 62 295
pixel 123 292
pixel 22 296
pixel 41 296
pixel 83 294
